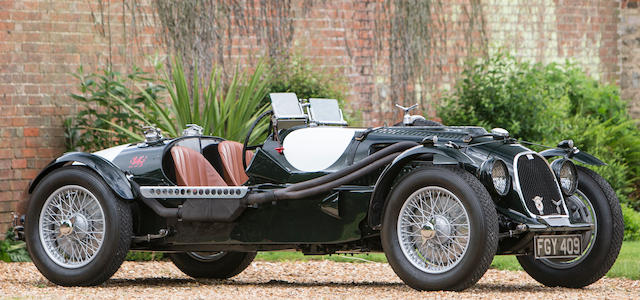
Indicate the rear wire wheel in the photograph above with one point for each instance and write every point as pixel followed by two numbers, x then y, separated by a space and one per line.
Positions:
pixel 440 229
pixel 77 230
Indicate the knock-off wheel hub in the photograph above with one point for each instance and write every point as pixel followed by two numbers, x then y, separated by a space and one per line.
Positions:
pixel 427 232
pixel 442 228
pixel 66 228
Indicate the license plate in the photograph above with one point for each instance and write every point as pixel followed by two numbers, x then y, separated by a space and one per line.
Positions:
pixel 557 246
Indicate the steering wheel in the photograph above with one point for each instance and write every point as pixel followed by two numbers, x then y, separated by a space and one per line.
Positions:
pixel 246 147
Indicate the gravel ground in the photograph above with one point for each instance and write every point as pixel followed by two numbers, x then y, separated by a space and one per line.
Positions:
pixel 309 279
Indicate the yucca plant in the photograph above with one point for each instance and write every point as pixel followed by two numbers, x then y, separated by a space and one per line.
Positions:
pixel 224 110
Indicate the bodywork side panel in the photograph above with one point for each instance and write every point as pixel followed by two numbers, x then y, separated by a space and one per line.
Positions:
pixel 332 218
pixel 112 175
pixel 438 156
pixel 580 156
pixel 144 164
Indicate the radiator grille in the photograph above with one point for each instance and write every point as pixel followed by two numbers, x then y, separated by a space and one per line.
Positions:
pixel 537 181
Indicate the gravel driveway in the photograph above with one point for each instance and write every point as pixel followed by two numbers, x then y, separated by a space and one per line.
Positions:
pixel 309 279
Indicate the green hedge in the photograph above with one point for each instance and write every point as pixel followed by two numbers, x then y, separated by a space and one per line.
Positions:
pixel 299 75
pixel 631 224
pixel 12 250
pixel 547 103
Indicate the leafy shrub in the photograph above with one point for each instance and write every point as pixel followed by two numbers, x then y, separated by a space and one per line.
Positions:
pixel 527 99
pixel 589 97
pixel 616 144
pixel 298 76
pixel 546 104
pixel 145 256
pixel 631 223
pixel 102 95
pixel 12 250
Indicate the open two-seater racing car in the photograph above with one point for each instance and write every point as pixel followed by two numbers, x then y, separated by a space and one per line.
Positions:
pixel 439 201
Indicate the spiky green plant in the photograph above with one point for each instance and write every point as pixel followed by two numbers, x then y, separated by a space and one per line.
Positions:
pixel 224 110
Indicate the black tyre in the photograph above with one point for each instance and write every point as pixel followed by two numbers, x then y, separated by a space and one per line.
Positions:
pixel 218 265
pixel 595 202
pixel 440 229
pixel 77 231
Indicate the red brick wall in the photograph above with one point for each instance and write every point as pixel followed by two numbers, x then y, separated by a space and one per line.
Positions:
pixel 629 31
pixel 42 42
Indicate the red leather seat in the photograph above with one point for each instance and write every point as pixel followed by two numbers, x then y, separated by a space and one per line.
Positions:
pixel 193 169
pixel 231 157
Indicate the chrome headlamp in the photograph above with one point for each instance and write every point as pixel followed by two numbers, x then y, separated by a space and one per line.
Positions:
pixel 497 175
pixel 567 175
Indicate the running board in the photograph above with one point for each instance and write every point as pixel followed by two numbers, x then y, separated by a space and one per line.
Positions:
pixel 194 192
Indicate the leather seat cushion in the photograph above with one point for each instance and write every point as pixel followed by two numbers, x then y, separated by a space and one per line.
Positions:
pixel 193 169
pixel 231 157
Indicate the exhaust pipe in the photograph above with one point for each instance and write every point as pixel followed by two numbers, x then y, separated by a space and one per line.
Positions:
pixel 328 182
pixel 196 212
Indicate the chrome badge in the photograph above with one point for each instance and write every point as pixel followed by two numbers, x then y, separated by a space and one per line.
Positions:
pixel 539 205
pixel 557 204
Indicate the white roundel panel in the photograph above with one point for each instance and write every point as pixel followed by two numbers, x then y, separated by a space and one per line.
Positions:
pixel 111 153
pixel 317 148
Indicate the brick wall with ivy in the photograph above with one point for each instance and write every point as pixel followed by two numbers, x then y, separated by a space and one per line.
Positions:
pixel 387 51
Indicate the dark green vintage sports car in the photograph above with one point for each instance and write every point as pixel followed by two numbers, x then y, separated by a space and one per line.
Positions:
pixel 439 201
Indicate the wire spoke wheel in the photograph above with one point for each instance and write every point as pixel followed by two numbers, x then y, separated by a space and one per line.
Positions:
pixel 80 231
pixel 72 226
pixel 433 229
pixel 596 203
pixel 439 229
pixel 580 211
pixel 206 256
pixel 218 265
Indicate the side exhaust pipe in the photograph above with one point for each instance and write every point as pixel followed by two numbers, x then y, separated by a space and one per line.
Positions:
pixel 328 182
pixel 227 210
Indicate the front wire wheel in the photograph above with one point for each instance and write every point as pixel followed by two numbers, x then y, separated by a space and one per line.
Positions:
pixel 433 229
pixel 439 229
pixel 580 211
pixel 595 202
